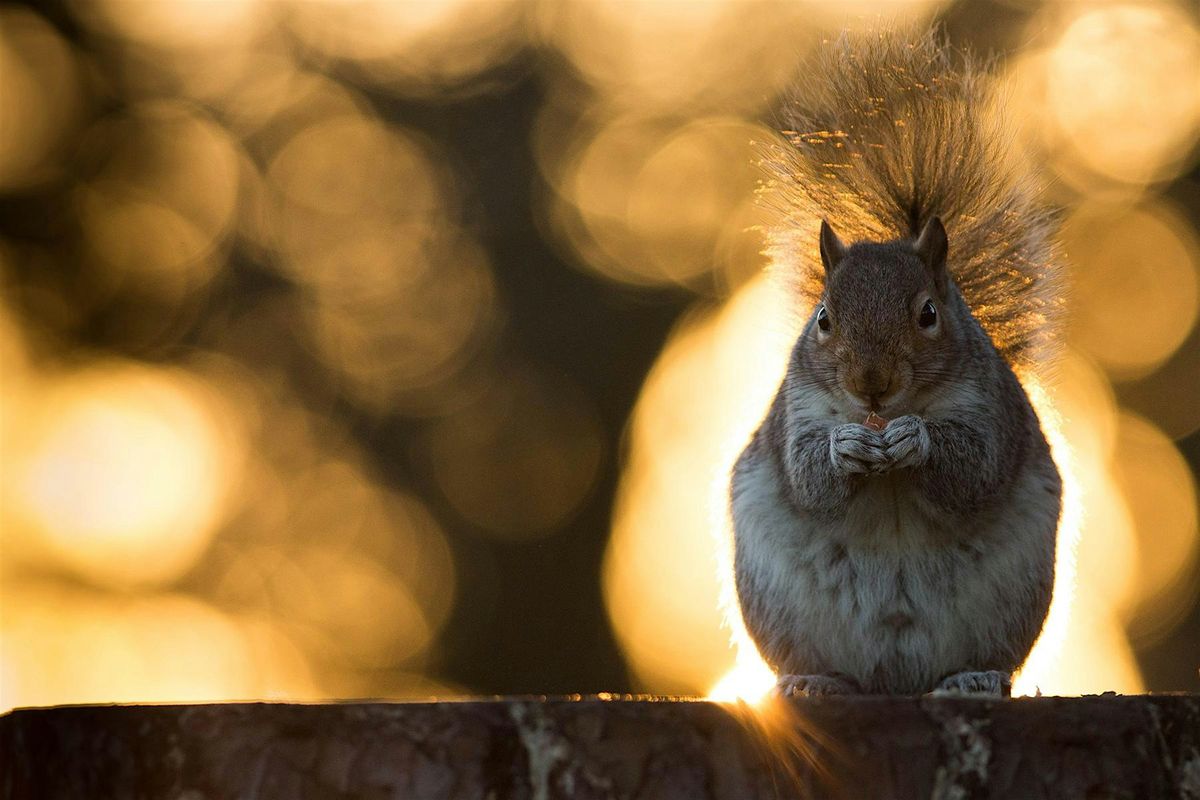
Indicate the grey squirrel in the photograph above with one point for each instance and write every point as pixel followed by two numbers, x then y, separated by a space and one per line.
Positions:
pixel 895 514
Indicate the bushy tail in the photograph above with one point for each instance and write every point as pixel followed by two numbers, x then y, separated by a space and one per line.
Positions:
pixel 890 129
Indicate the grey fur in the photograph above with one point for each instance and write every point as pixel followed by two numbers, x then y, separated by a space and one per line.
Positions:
pixel 857 449
pixel 814 685
pixel 888 130
pixel 907 441
pixel 921 556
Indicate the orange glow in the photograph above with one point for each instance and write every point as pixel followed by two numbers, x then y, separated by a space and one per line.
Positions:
pixel 178 23
pixel 750 680
pixel 163 199
pixel 363 218
pixel 352 608
pixel 125 477
pixel 1161 494
pixel 1125 259
pixel 645 203
pixel 698 56
pixel 413 46
pixel 358 576
pixel 1089 526
pixel 61 645
pixel 122 472
pixel 633 50
pixel 661 569
pixel 1121 88
pixel 40 97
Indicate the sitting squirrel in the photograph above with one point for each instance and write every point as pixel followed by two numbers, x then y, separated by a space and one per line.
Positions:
pixel 914 554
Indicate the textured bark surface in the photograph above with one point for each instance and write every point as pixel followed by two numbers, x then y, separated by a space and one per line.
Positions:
pixel 878 747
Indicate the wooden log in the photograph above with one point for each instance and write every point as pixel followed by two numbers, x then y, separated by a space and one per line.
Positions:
pixel 1140 747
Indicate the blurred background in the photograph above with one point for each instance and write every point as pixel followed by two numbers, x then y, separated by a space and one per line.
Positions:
pixel 393 349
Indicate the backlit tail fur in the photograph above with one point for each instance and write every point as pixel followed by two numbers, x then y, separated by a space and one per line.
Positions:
pixel 890 129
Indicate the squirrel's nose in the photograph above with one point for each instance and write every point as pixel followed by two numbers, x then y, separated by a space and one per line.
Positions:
pixel 873 388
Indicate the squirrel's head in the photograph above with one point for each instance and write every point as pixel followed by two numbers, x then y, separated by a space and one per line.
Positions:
pixel 888 322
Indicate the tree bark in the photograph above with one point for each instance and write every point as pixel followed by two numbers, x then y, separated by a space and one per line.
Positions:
pixel 876 747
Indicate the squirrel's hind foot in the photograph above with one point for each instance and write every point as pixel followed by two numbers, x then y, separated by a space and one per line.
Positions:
pixel 992 682
pixel 813 686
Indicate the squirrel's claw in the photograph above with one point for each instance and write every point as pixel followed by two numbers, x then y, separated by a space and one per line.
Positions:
pixel 992 682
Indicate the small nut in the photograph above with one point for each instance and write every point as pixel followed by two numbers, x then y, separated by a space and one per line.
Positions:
pixel 875 422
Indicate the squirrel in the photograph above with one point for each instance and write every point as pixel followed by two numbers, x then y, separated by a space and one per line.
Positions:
pixel 895 514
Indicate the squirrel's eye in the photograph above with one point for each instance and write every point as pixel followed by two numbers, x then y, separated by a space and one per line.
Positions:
pixel 928 316
pixel 823 319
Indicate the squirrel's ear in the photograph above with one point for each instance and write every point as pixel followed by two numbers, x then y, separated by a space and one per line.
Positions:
pixel 932 246
pixel 832 249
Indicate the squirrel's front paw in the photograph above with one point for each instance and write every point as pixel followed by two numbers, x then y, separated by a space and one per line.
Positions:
pixel 906 441
pixel 993 682
pixel 856 448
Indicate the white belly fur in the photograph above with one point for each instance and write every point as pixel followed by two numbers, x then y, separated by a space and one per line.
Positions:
pixel 881 593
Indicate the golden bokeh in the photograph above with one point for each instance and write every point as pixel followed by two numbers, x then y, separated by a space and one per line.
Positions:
pixel 1135 284
pixel 177 24
pixel 120 472
pixel 647 202
pixel 656 55
pixel 1161 495
pixel 1084 619
pixel 358 575
pixel 351 167
pixel 162 198
pixel 355 609
pixel 398 295
pixel 71 645
pixel 41 98
pixel 520 457
pixel 699 57
pixel 275 101
pixel 183 48
pixel 15 360
pixel 308 577
pixel 417 46
pixel 1121 87
pixel 399 347
pixel 1085 401
pixel 1168 395
pixel 1106 551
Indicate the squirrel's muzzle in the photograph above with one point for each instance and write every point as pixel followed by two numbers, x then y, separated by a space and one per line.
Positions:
pixel 872 384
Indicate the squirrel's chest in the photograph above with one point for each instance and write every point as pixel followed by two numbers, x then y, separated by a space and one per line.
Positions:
pixel 881 566
pixel 867 590
pixel 887 512
pixel 892 620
